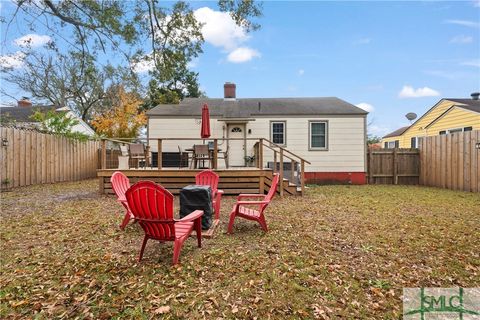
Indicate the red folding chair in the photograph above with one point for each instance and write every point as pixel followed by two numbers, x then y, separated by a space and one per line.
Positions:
pixel 242 207
pixel 120 185
pixel 152 206
pixel 210 178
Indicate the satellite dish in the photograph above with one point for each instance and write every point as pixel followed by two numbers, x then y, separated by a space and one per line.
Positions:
pixel 411 116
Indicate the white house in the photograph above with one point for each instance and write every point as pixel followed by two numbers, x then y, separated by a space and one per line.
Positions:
pixel 328 132
pixel 22 116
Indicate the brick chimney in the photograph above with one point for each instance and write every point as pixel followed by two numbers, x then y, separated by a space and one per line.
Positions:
pixel 229 91
pixel 24 103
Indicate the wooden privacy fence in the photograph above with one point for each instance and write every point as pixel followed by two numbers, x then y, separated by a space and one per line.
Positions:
pixel 393 166
pixel 30 157
pixel 451 161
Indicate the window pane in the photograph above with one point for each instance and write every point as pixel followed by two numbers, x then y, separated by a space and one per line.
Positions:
pixel 318 128
pixel 467 129
pixel 318 141
pixel 277 127
pixel 278 132
pixel 277 138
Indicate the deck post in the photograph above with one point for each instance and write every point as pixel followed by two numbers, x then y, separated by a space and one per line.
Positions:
pixel 302 176
pixel 147 156
pixel 159 154
pixel 215 153
pixel 104 154
pixel 260 154
pixel 281 172
pixel 274 161
pixel 261 186
pixel 293 165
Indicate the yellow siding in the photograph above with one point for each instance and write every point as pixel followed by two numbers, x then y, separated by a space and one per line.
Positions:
pixel 455 118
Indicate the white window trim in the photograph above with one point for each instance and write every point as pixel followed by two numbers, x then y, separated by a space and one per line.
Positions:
pixel 310 135
pixel 284 122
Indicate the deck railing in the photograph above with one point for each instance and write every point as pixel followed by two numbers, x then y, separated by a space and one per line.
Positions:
pixel 281 155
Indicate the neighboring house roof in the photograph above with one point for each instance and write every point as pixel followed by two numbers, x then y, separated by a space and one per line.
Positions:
pixel 23 114
pixel 251 107
pixel 397 132
pixel 469 104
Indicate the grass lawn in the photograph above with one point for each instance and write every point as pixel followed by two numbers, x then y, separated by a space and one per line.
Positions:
pixel 338 252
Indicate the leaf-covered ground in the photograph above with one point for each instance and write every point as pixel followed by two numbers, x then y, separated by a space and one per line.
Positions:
pixel 338 252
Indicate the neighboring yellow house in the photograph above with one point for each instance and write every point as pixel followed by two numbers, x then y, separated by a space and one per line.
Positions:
pixel 446 117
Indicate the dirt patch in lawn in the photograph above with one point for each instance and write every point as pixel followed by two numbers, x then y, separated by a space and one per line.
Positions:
pixel 338 252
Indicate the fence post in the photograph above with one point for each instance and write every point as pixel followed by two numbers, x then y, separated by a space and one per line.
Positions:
pixel 215 153
pixel 260 154
pixel 281 172
pixel 104 154
pixel 302 176
pixel 395 167
pixel 159 154
pixel 370 166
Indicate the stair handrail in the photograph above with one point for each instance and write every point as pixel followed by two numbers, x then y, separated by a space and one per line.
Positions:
pixel 282 151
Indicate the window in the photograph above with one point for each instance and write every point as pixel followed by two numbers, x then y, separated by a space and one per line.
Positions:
pixel 236 129
pixel 442 132
pixel 455 130
pixel 392 144
pixel 318 135
pixel 277 132
pixel 414 142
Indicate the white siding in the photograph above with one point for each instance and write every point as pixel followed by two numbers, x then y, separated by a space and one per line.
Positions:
pixel 346 139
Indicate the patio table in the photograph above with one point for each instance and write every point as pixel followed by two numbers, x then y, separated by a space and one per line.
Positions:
pixel 211 150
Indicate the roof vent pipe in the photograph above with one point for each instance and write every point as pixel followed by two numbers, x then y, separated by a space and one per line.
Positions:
pixel 475 95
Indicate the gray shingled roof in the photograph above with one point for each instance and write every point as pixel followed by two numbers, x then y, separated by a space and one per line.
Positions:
pixel 397 132
pixel 251 107
pixel 469 104
pixel 22 114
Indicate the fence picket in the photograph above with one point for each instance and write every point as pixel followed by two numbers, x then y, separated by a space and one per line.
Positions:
pixel 31 157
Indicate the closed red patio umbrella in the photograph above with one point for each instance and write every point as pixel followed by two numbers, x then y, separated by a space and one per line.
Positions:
pixel 205 131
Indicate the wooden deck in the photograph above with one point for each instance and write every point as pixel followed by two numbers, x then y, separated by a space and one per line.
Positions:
pixel 233 181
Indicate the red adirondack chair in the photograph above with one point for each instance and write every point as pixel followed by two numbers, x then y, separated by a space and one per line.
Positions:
pixel 120 185
pixel 240 209
pixel 210 178
pixel 152 206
